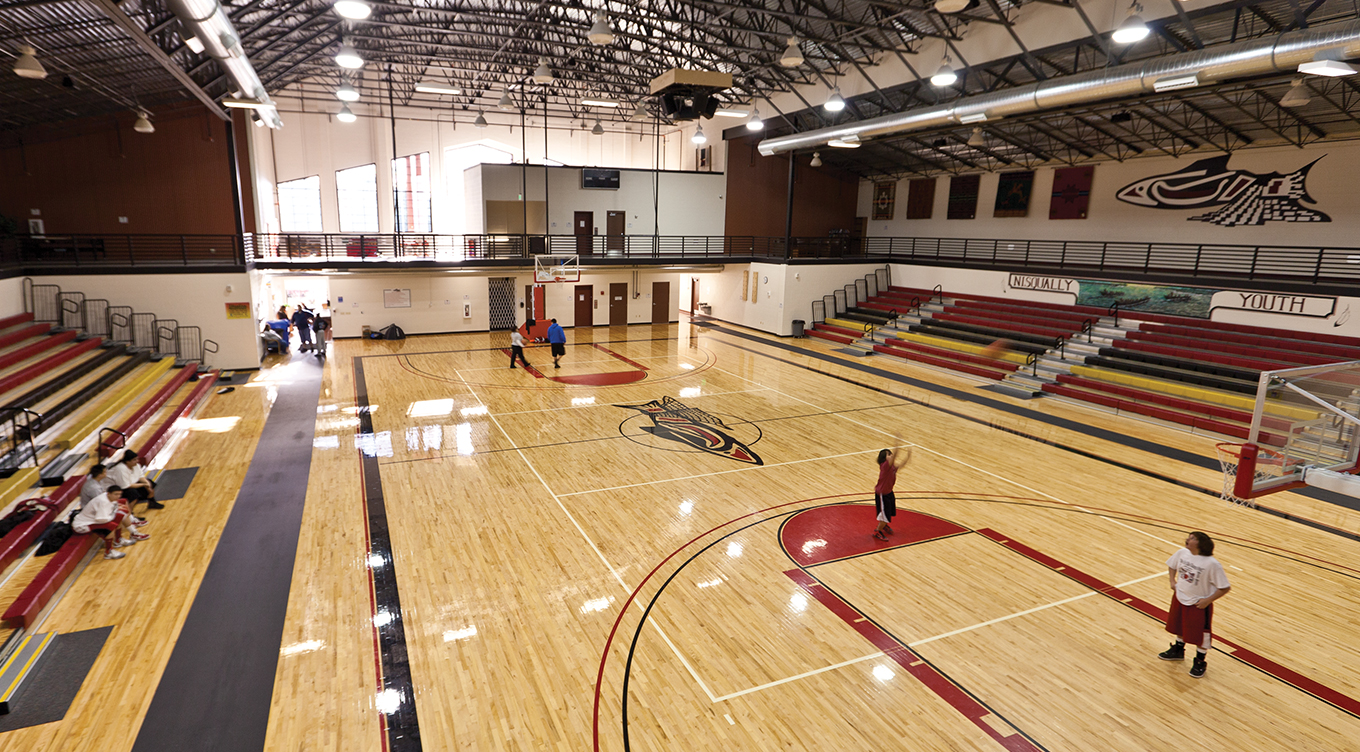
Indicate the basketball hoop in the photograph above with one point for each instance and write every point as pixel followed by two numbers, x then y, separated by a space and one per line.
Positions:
pixel 1256 464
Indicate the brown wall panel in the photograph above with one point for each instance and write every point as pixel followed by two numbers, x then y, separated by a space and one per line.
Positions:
pixel 84 175
pixel 824 199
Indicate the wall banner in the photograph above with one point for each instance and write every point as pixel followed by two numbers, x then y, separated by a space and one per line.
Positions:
pixel 1193 302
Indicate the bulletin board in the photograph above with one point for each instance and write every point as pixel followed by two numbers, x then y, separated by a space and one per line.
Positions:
pixel 397 298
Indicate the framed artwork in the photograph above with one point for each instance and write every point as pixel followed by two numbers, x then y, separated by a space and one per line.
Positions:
pixel 703 157
pixel 885 200
pixel 1071 192
pixel 238 310
pixel 963 196
pixel 1012 194
pixel 921 198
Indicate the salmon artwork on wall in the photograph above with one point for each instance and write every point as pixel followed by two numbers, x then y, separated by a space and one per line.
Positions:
pixel 1247 198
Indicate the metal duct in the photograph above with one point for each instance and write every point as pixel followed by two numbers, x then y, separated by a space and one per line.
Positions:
pixel 206 20
pixel 1259 57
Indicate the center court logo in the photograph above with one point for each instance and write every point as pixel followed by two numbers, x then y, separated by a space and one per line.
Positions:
pixel 674 422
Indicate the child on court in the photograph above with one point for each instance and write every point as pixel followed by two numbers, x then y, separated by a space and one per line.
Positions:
pixel 885 501
pixel 1197 580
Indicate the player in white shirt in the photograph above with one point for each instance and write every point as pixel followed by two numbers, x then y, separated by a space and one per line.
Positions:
pixel 107 512
pixel 517 348
pixel 131 477
pixel 1197 580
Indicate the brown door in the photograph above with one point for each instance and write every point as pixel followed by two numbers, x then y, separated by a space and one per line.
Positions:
pixel 614 230
pixel 661 302
pixel 533 303
pixel 693 295
pixel 585 304
pixel 618 304
pixel 583 226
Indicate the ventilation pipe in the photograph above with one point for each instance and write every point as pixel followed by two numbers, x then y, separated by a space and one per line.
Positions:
pixel 208 23
pixel 1279 54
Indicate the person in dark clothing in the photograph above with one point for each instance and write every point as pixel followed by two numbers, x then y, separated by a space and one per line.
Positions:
pixel 558 340
pixel 281 326
pixel 302 319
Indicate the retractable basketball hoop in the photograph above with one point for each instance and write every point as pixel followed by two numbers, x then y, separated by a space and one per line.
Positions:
pixel 554 268
pixel 1305 430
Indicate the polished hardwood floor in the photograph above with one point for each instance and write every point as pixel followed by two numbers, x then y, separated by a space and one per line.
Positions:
pixel 665 545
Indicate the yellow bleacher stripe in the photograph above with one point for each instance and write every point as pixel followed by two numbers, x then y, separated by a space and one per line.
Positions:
pixel 11 487
pixel 963 347
pixel 114 404
pixel 32 658
pixel 848 324
pixel 1203 394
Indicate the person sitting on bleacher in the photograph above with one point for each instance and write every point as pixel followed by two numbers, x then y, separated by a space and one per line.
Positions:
pixel 131 477
pixel 96 484
pixel 281 326
pixel 272 339
pixel 106 515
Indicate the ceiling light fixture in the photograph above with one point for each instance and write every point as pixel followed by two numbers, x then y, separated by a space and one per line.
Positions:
pixel 601 103
pixel 1134 29
pixel 598 130
pixel 437 88
pixel 480 122
pixel 143 123
pixel 194 44
pixel 505 103
pixel 346 92
pixel 601 32
pixel 835 102
pixel 754 123
pixel 355 10
pixel 1298 94
pixel 247 104
pixel 543 74
pixel 951 6
pixel 973 117
pixel 346 115
pixel 945 76
pixel 1319 66
pixel 977 140
pixel 699 137
pixel 27 65
pixel 348 57
pixel 257 120
pixel 640 113
pixel 816 159
pixel 732 112
pixel 847 142
pixel 793 56
pixel 1173 83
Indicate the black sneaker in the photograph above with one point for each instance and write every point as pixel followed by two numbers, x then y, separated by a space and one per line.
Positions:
pixel 1174 653
pixel 1197 670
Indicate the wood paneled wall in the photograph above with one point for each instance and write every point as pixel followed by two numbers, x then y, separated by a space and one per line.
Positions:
pixel 824 199
pixel 82 176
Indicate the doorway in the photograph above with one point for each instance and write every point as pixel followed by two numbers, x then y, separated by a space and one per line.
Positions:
pixel 533 303
pixel 583 227
pixel 614 230
pixel 693 295
pixel 661 302
pixel 618 304
pixel 585 303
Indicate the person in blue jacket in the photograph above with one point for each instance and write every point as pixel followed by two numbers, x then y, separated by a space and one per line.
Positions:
pixel 302 321
pixel 558 340
pixel 281 326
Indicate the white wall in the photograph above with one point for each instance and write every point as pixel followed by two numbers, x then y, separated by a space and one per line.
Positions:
pixel 191 299
pixel 11 296
pixel 1331 182
pixel 782 293
pixel 995 283
pixel 314 143
pixel 691 203
pixel 437 300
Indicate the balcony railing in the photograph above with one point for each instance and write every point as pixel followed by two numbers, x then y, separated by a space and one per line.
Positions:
pixel 104 251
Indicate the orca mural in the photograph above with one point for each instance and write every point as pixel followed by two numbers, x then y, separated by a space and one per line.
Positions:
pixel 1246 197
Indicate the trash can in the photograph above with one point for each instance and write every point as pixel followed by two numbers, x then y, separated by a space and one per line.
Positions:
pixel 798 327
pixel 706 308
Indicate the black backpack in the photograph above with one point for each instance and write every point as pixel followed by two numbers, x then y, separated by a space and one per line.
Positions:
pixel 393 332
pixel 54 538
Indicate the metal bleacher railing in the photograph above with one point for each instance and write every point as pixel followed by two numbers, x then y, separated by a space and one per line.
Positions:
pixel 1299 264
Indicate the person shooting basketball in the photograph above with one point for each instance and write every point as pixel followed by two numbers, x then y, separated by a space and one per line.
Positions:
pixel 885 502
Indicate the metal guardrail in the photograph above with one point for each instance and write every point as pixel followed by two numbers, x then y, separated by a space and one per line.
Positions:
pixel 102 251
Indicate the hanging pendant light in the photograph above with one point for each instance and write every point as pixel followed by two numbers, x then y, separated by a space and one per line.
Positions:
pixel 543 74
pixel 355 10
pixel 505 102
pixel 816 159
pixel 601 32
pixel 347 92
pixel 977 140
pixel 1298 94
pixel 1134 29
pixel 348 57
pixel 640 113
pixel 945 76
pixel 835 102
pixel 346 115
pixel 699 137
pixel 598 130
pixel 143 123
pixel 793 56
pixel 27 65
pixel 480 122
pixel 754 123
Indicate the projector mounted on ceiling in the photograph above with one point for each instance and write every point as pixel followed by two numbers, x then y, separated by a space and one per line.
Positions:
pixel 688 94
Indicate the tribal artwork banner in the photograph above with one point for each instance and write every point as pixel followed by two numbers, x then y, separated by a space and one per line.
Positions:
pixel 1071 192
pixel 1012 194
pixel 885 200
pixel 921 198
pixel 963 196
pixel 1247 198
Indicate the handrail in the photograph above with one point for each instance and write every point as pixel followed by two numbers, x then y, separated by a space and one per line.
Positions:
pixel 937 289
pixel 1113 310
pixel 1088 326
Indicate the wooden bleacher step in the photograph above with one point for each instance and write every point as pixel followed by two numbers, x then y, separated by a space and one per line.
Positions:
pixel 54 473
pixel 22 665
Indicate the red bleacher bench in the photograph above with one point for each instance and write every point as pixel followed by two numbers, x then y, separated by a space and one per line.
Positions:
pixel 25 609
pixel 17 541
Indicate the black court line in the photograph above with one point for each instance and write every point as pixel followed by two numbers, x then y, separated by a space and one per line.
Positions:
pixel 217 687
pixel 399 705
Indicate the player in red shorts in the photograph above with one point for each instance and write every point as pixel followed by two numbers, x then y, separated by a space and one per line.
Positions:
pixel 1197 580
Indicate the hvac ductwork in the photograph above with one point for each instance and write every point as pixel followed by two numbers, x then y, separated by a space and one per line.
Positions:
pixel 1279 54
pixel 206 21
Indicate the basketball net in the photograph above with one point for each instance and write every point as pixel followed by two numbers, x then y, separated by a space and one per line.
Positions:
pixel 1269 464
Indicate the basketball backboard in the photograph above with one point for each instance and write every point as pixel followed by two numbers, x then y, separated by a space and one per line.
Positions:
pixel 556 268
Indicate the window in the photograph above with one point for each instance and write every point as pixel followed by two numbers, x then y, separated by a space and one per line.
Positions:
pixel 357 188
pixel 411 181
pixel 300 205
